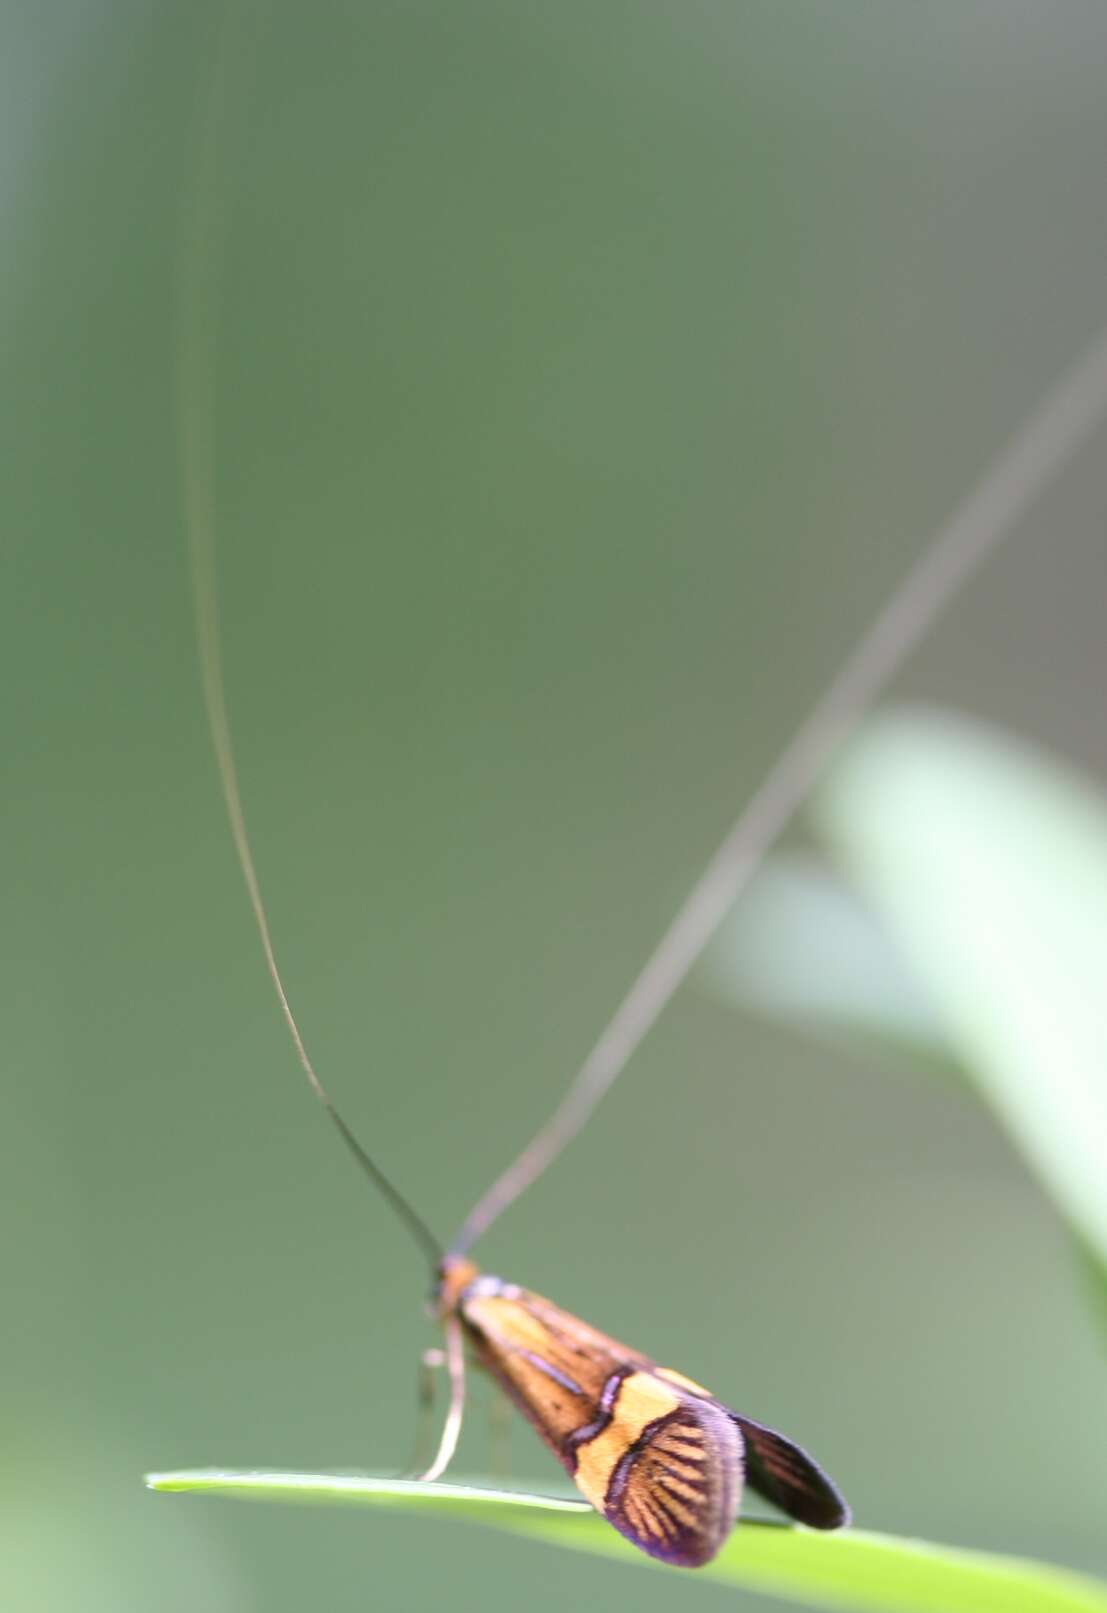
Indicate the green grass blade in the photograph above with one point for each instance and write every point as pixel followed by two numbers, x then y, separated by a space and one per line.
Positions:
pixel 988 863
pixel 847 1570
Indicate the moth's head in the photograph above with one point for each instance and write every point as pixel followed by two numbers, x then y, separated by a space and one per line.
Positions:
pixel 454 1275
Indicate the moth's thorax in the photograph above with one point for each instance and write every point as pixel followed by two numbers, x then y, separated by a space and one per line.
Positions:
pixel 454 1275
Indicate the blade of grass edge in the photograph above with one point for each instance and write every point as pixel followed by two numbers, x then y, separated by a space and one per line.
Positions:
pixel 848 1570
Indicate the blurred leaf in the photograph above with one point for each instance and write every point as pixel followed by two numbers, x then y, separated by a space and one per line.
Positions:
pixel 988 863
pixel 849 1569
pixel 802 945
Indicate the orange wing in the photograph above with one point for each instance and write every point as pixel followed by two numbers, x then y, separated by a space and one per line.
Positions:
pixel 663 1465
pixel 654 1452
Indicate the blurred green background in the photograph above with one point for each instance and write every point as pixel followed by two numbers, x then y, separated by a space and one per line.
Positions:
pixel 588 373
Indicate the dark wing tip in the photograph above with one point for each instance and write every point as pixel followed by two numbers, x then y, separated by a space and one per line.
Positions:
pixel 793 1481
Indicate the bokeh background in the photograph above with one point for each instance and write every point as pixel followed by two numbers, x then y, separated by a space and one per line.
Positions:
pixel 587 374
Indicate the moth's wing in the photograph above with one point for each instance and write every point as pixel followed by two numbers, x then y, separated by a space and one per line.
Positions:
pixel 562 1374
pixel 675 1483
pixel 785 1475
pixel 661 1463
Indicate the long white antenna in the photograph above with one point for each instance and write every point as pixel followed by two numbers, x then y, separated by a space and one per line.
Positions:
pixel 1064 420
pixel 1056 429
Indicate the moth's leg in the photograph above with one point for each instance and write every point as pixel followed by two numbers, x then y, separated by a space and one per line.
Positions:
pixel 431 1363
pixel 455 1367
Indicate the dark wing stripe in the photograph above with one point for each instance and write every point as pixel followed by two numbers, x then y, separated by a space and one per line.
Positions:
pixel 660 1521
pixel 685 1452
pixel 547 1367
pixel 611 1390
pixel 590 1431
pixel 675 1509
pixel 648 1520
pixel 674 1486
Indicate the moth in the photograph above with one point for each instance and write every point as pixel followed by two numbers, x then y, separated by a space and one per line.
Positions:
pixel 657 1454
pixel 654 1452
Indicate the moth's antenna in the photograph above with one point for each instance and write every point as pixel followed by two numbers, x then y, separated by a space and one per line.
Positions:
pixel 202 227
pixel 1056 429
